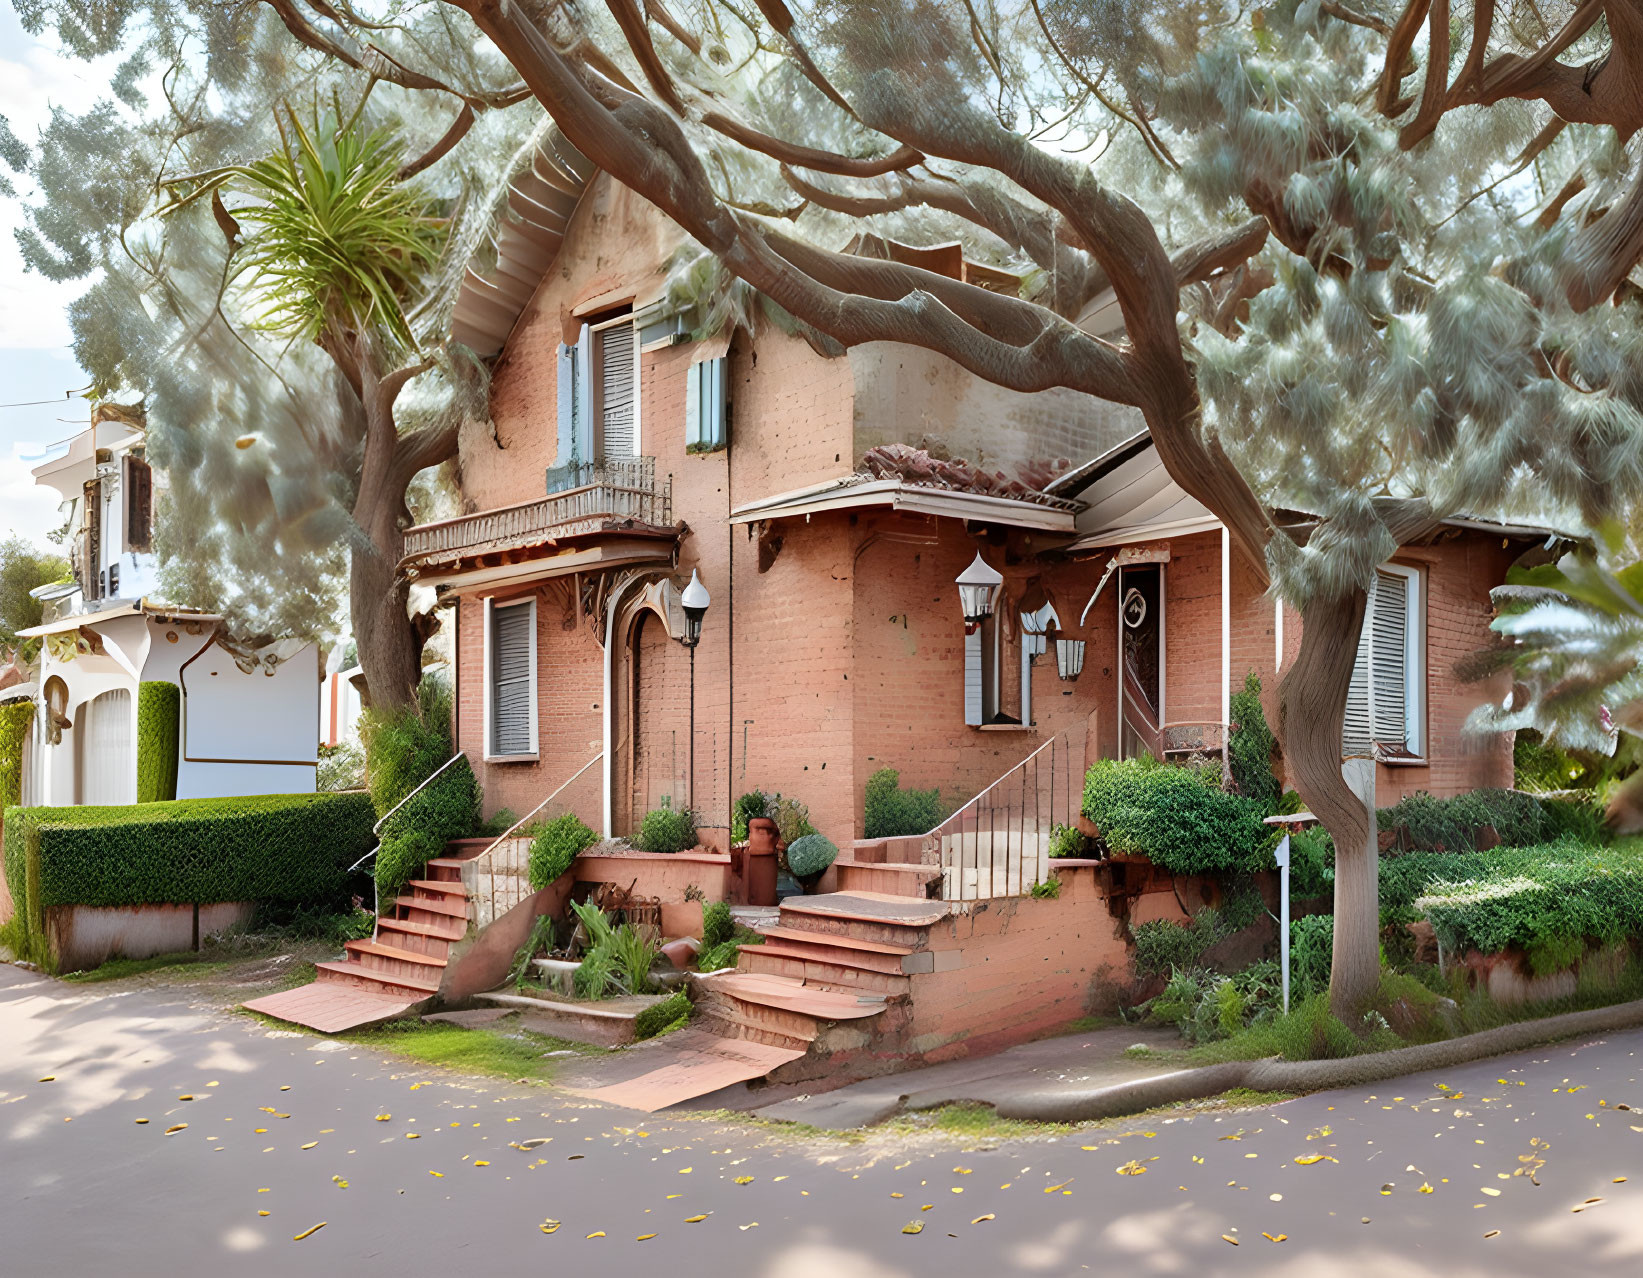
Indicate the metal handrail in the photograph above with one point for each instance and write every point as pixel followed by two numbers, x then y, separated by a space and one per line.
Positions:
pixel 1014 768
pixel 484 859
pixel 376 829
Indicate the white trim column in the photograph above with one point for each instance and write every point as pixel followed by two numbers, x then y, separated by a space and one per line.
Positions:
pixel 1226 625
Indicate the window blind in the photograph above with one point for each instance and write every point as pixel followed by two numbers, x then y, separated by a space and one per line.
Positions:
pixel 1377 703
pixel 511 681
pixel 616 389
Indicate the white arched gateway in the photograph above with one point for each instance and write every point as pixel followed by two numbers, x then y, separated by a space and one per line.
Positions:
pixel 104 736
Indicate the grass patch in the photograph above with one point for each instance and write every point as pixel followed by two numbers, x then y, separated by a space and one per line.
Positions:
pixel 972 1122
pixel 118 969
pixel 502 1053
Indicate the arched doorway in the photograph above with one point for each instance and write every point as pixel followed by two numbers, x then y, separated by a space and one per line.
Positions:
pixel 105 754
pixel 658 700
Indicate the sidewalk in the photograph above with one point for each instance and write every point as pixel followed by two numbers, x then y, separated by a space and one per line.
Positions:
pixel 1071 1062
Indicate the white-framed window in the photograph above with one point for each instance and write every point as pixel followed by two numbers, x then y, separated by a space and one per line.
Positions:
pixel 615 388
pixel 598 377
pixel 510 680
pixel 990 696
pixel 1386 704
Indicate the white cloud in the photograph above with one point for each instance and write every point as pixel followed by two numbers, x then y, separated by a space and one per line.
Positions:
pixel 26 508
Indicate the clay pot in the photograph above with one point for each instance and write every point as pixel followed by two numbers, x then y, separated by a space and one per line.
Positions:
pixel 758 877
pixel 761 837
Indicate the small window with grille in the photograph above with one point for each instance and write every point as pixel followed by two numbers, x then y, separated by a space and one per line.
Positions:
pixel 1385 703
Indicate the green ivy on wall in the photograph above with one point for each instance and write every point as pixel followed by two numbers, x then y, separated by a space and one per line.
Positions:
pixel 159 716
pixel 14 727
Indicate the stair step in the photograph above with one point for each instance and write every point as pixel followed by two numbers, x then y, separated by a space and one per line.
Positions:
pixel 431 931
pixel 895 878
pixel 780 960
pixel 443 887
pixel 789 995
pixel 366 977
pixel 827 938
pixel 816 948
pixel 871 916
pixel 390 952
pixel 449 862
pixel 428 905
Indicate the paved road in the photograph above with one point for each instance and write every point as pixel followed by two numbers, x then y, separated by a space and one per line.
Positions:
pixel 1429 1161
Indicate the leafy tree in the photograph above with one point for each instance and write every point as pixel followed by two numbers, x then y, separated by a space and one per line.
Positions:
pixel 1234 222
pixel 23 567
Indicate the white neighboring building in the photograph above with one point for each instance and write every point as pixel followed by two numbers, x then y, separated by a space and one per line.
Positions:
pixel 248 720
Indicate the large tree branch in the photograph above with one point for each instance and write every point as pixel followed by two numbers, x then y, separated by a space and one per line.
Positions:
pixel 804 157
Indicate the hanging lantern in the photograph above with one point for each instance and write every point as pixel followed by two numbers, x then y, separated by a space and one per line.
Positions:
pixel 694 600
pixel 1069 658
pixel 978 589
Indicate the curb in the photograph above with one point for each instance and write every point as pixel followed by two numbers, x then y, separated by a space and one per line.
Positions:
pixel 1276 1075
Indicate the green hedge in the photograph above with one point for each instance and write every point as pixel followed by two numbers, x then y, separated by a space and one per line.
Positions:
pixel 1178 818
pixel 1452 824
pixel 159 716
pixel 891 812
pixel 1550 902
pixel 666 830
pixel 14 726
pixel 1250 746
pixel 447 809
pixel 273 847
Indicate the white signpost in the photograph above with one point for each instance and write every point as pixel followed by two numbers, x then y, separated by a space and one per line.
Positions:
pixel 1282 853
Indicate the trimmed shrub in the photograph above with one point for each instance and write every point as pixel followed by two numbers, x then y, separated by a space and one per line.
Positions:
pixel 664 830
pixel 718 926
pixel 1452 824
pixel 1249 748
pixel 159 715
pixel 15 717
pixel 1163 945
pixel 271 847
pixel 1550 905
pixel 810 854
pixel 664 1017
pixel 891 812
pixel 447 809
pixel 1311 951
pixel 557 844
pixel 1178 819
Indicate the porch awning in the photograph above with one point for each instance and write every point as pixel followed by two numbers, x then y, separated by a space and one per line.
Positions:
pixel 1132 498
pixel 853 492
pixel 130 608
pixel 539 563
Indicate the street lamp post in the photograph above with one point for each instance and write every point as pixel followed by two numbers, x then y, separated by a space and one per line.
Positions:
pixel 694 600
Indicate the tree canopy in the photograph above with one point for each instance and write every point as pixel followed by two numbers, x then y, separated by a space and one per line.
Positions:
pixel 23 567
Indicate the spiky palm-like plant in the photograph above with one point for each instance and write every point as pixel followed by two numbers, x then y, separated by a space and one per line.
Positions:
pixel 1574 632
pixel 335 248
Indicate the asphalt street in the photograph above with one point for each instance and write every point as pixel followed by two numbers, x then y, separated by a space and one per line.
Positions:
pixel 142 1136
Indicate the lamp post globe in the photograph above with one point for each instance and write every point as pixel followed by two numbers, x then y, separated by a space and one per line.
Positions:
pixel 694 600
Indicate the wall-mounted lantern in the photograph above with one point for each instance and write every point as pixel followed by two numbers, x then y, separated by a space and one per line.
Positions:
pixel 694 600
pixel 1069 658
pixel 978 590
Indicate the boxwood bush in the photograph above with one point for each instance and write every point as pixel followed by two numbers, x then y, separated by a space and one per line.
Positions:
pixel 292 848
pixel 666 830
pixel 1250 746
pixel 1179 819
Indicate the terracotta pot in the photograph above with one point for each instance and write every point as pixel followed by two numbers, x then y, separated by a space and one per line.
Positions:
pixel 761 837
pixel 758 878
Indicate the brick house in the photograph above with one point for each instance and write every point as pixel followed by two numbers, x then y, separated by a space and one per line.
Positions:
pixel 813 495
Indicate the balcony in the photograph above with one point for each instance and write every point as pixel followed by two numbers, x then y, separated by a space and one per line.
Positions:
pixel 593 507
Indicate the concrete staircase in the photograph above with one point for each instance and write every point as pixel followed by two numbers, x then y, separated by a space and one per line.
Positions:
pixel 400 966
pixel 892 867
pixel 832 978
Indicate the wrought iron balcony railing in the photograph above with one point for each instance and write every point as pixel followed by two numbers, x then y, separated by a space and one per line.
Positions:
pixel 585 498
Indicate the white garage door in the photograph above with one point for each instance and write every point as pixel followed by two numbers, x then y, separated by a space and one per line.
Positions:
pixel 108 766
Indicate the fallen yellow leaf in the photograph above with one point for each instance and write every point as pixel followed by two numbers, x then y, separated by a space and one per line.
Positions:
pixel 744 1180
pixel 988 1216
pixel 1131 1168
pixel 696 1220
pixel 310 1144
pixel 1274 1237
pixel 315 1229
pixel 548 1226
pixel 140 1121
pixel 383 1118
pixel 644 1237
pixel 1229 1238
pixel 172 1131
pixel 913 1227
pixel 598 1233
pixel 441 1175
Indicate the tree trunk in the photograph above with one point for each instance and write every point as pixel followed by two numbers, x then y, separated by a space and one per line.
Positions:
pixel 1311 714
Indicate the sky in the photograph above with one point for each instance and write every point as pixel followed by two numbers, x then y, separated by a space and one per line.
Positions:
pixel 36 355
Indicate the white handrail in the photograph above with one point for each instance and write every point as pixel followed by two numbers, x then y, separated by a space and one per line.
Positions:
pixel 382 820
pixel 508 833
pixel 960 811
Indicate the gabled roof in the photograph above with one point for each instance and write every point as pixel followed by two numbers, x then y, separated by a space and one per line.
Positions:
pixel 854 491
pixel 540 204
pixel 1130 497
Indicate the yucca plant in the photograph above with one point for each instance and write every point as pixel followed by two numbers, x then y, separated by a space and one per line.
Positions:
pixel 337 241
pixel 330 243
